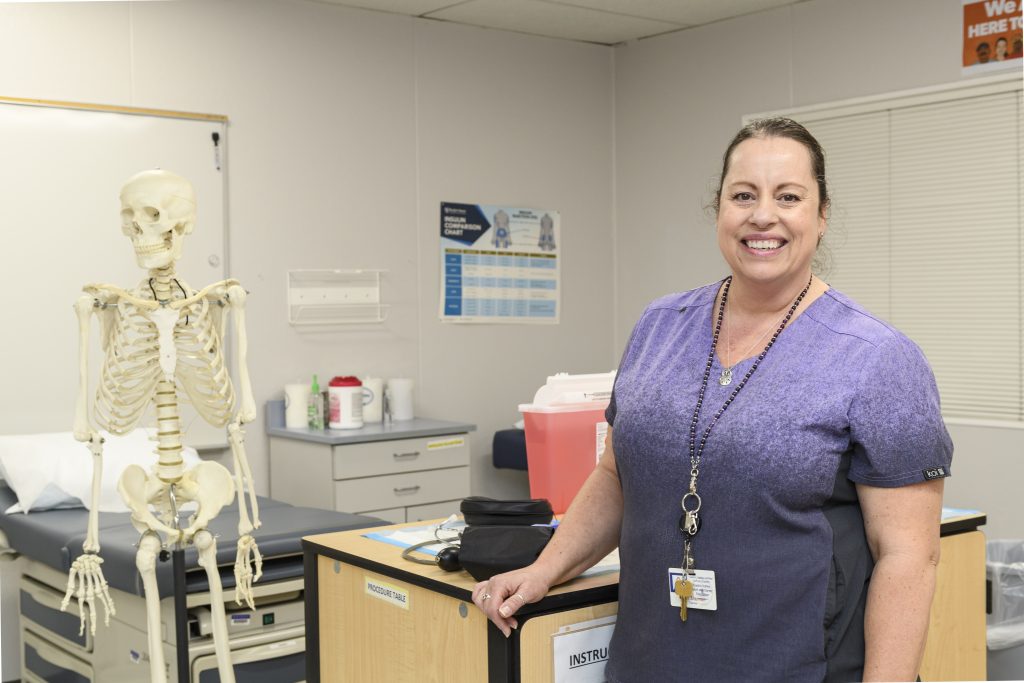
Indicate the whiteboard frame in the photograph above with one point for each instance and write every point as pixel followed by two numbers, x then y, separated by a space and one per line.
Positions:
pixel 169 114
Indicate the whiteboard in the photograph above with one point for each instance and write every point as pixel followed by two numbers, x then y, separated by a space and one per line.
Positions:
pixel 61 171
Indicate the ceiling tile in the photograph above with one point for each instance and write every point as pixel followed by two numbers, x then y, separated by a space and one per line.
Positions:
pixel 687 12
pixel 411 7
pixel 553 19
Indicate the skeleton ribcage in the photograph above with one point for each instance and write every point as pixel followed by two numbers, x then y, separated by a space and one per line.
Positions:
pixel 131 367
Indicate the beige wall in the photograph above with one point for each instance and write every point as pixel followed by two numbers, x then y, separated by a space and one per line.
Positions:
pixel 347 129
pixel 679 99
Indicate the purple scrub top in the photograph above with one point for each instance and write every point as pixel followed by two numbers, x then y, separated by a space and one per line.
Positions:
pixel 841 398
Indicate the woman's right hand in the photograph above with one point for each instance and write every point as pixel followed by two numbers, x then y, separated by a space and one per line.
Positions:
pixel 589 531
pixel 505 594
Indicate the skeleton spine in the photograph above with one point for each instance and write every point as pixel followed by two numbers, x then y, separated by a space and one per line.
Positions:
pixel 170 466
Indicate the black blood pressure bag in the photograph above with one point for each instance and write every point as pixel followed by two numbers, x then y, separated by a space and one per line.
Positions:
pixel 480 511
pixel 489 550
pixel 500 536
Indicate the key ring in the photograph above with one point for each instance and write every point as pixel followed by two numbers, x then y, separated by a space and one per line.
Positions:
pixel 689 522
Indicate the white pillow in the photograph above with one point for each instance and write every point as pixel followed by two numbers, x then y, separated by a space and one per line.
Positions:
pixel 53 470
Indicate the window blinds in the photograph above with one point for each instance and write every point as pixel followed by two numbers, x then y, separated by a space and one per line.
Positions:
pixel 926 231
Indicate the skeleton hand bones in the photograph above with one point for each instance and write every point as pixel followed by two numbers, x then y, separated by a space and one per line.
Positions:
pixel 244 576
pixel 87 584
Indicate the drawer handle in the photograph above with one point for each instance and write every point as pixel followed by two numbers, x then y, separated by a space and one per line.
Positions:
pixel 407 456
pixel 403 490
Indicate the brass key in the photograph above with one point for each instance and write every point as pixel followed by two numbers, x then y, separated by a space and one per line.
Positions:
pixel 684 589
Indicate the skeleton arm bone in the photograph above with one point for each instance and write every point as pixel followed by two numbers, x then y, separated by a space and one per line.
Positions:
pixel 82 428
pixel 83 309
pixel 86 581
pixel 247 552
pixel 236 299
pixel 247 412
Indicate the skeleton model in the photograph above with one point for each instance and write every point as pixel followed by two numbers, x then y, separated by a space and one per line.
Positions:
pixel 162 344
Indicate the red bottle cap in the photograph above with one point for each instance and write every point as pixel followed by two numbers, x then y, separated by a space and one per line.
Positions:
pixel 345 382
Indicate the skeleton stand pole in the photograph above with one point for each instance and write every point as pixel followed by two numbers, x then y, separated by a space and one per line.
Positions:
pixel 180 615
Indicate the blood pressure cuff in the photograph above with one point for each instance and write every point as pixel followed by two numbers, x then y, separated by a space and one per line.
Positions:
pixel 493 549
pixel 480 511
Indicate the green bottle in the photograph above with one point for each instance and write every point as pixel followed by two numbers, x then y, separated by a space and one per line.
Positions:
pixel 315 414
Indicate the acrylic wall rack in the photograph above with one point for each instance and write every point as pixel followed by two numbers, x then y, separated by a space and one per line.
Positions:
pixel 335 297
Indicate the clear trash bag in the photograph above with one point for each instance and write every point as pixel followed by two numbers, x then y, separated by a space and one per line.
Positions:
pixel 1005 569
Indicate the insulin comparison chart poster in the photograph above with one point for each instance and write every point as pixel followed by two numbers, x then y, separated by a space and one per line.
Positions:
pixel 500 264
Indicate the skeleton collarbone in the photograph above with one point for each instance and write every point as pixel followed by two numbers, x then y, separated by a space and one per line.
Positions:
pixel 179 340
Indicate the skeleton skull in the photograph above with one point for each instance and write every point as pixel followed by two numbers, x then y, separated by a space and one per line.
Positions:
pixel 158 208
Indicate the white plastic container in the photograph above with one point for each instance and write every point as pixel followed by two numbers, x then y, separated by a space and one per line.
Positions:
pixel 399 394
pixel 296 405
pixel 373 399
pixel 565 432
pixel 345 395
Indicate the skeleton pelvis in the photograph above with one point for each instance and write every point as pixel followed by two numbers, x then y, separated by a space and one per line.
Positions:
pixel 209 484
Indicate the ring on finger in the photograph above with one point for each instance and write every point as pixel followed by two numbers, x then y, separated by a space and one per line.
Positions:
pixel 486 596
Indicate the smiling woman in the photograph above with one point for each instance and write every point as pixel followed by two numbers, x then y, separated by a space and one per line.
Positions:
pixel 815 458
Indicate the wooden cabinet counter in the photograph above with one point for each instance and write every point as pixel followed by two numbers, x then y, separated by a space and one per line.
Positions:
pixel 372 616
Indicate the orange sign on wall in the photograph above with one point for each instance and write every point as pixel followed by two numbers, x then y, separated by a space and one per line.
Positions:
pixel 992 35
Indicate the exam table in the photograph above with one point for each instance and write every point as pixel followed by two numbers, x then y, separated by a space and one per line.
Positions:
pixel 267 642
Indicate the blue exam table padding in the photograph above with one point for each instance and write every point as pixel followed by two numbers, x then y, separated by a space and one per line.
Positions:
pixel 55 537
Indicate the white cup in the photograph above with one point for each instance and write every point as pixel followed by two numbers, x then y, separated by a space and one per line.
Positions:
pixel 373 399
pixel 296 405
pixel 399 394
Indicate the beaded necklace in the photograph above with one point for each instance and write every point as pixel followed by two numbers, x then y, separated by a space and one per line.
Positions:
pixel 690 521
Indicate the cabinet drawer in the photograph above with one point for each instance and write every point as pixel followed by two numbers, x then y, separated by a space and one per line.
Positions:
pixel 394 490
pixel 400 455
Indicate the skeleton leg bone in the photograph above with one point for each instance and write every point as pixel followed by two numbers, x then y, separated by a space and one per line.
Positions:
pixel 145 560
pixel 207 546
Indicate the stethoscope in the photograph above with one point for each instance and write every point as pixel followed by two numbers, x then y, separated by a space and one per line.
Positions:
pixel 448 557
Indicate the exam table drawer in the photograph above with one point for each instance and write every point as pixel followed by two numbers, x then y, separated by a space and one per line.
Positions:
pixel 412 488
pixel 40 608
pixel 281 661
pixel 400 455
pixel 44 661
